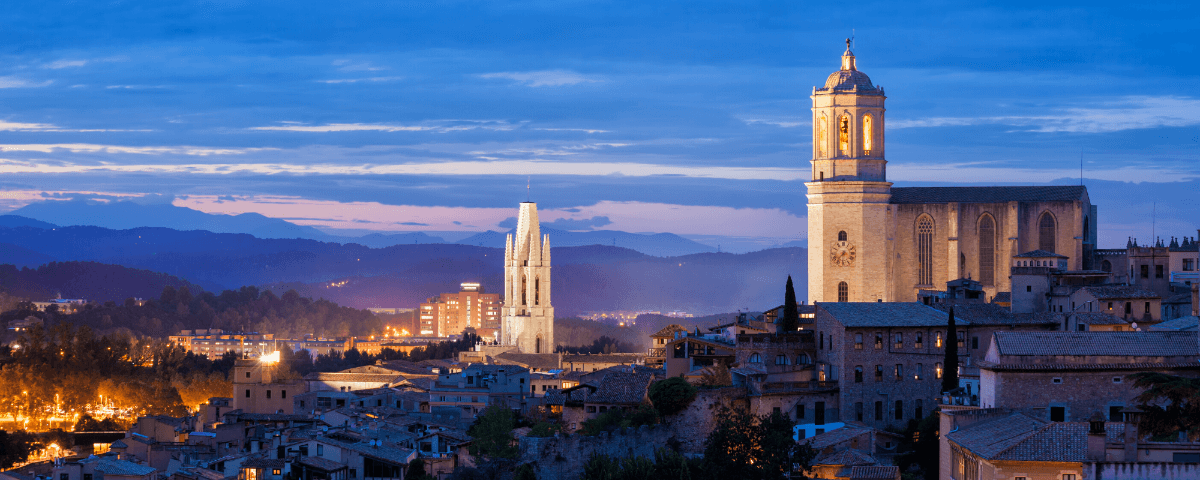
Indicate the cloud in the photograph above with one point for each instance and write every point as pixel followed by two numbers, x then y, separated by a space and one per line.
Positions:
pixel 14 82
pixel 441 126
pixel 788 123
pixel 579 224
pixel 357 80
pixel 585 130
pixel 65 64
pixel 1127 113
pixel 418 224
pixel 93 148
pixel 543 78
pixel 510 222
pixel 47 127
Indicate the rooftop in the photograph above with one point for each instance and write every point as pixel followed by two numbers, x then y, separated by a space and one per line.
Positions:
pixel 1039 254
pixel 1117 292
pixel 1189 323
pixel 881 314
pixel 1133 344
pixel 988 194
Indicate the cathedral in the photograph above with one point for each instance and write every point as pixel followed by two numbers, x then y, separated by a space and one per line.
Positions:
pixel 870 242
pixel 527 318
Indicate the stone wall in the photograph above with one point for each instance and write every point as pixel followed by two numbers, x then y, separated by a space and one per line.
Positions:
pixel 1145 471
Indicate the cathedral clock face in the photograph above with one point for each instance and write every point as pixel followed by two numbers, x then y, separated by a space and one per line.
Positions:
pixel 842 254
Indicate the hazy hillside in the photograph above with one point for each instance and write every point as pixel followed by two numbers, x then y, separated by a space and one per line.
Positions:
pixel 88 280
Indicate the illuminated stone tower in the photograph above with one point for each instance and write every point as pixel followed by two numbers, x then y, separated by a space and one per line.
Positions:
pixel 528 317
pixel 849 224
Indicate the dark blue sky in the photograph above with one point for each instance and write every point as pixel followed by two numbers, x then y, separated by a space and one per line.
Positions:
pixel 687 117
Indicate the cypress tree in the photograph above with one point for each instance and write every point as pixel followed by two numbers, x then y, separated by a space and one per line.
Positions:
pixel 950 374
pixel 791 312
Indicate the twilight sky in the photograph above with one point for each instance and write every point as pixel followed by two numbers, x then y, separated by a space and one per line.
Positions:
pixel 687 117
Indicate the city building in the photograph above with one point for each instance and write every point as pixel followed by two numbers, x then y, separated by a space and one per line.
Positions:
pixel 256 388
pixel 477 386
pixel 871 242
pixel 451 313
pixel 528 316
pixel 214 342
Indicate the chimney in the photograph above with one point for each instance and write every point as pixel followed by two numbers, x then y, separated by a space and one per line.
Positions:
pixel 1133 416
pixel 1096 438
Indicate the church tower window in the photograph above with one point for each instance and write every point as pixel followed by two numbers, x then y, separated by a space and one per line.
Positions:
pixel 844 136
pixel 843 292
pixel 822 136
pixel 842 236
pixel 925 250
pixel 1046 232
pixel 537 291
pixel 868 125
pixel 524 290
pixel 987 250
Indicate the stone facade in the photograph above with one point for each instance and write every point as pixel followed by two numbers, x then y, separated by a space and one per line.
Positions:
pixel 871 242
pixel 527 320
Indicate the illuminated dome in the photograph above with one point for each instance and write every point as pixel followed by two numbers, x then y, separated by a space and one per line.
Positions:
pixel 849 78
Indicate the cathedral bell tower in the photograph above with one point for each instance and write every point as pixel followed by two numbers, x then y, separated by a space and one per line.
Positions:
pixel 527 318
pixel 848 210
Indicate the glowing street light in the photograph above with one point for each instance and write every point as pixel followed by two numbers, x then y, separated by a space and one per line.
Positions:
pixel 269 358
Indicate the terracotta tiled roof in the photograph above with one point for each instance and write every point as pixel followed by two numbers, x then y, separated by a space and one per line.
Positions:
pixel 1117 292
pixel 874 473
pixel 321 464
pixel 835 437
pixel 1021 367
pixel 110 466
pixel 1002 297
pixel 540 361
pixel 1022 438
pixel 980 313
pixel 880 314
pixel 604 358
pixel 845 457
pixel 1098 318
pixel 1135 344
pixel 987 194
pixel 1179 324
pixel 669 331
pixel 615 388
pixel 380 378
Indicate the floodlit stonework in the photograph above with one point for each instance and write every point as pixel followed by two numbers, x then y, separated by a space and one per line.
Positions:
pixel 869 241
pixel 528 317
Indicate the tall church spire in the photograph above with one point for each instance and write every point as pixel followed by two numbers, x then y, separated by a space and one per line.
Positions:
pixel 527 321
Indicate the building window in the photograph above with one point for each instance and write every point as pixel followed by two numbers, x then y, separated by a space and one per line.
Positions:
pixel 868 130
pixel 283 394
pixel 799 411
pixel 858 374
pixel 754 358
pixel 898 342
pixel 1158 271
pixel 1056 380
pixel 919 413
pixel 268 394
pixel 1145 271
pixel 918 341
pixel 782 360
pixel 822 129
pixel 937 339
pixel 1147 308
pixel 1114 413
pixel 899 409
pixel 821 341
pixel 1068 476
pixel 920 371
pixel 1116 379
pixel 1058 414
pixel 1046 232
pixel 879 373
pixel 843 292
pixel 925 250
pixel 842 236
pixel 858 411
pixel 987 249
pixel 1189 264
pixel 878 340
pixel 275 471
pixel 247 393
pixel 878 410
pixel 937 370
pixel 899 372
pixel 844 135
pixel 803 359
pixel 975 343
pixel 858 341
pixel 320 449
pixel 960 339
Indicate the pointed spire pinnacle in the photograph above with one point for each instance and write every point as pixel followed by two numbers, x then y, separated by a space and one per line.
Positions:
pixel 848 58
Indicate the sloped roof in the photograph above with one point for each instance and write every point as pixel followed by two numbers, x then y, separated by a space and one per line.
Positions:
pixel 1116 292
pixel 875 473
pixel 1189 323
pixel 1064 193
pixel 835 436
pixel 619 388
pixel 112 466
pixel 541 361
pixel 980 313
pixel 321 464
pixel 1184 298
pixel 379 378
pixel 669 331
pixel 846 457
pixel 1098 318
pixel 1002 297
pixel 1135 344
pixel 1022 438
pixel 1039 254
pixel 603 358
pixel 889 314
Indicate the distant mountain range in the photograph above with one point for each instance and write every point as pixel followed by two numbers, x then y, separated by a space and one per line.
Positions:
pixel 586 278
pixel 124 215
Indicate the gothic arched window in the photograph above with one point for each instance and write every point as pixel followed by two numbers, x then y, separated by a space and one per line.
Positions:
pixel 537 345
pixel 754 358
pixel 1106 266
pixel 844 135
pixel 843 292
pixel 537 290
pixel 868 138
pixel 987 249
pixel 524 290
pixel 842 236
pixel 1046 232
pixel 925 250
pixel 822 135
pixel 803 359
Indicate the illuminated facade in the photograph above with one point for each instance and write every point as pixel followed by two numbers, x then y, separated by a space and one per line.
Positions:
pixel 871 242
pixel 450 313
pixel 528 317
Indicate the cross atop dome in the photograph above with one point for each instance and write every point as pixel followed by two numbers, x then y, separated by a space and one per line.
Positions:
pixel 848 58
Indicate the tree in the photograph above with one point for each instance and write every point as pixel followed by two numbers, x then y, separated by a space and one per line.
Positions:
pixel 1171 404
pixel 416 470
pixel 950 374
pixel 716 376
pixel 601 467
pixel 672 395
pixel 790 321
pixel 492 432
pixel 747 446
pixel 15 447
pixel 525 472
